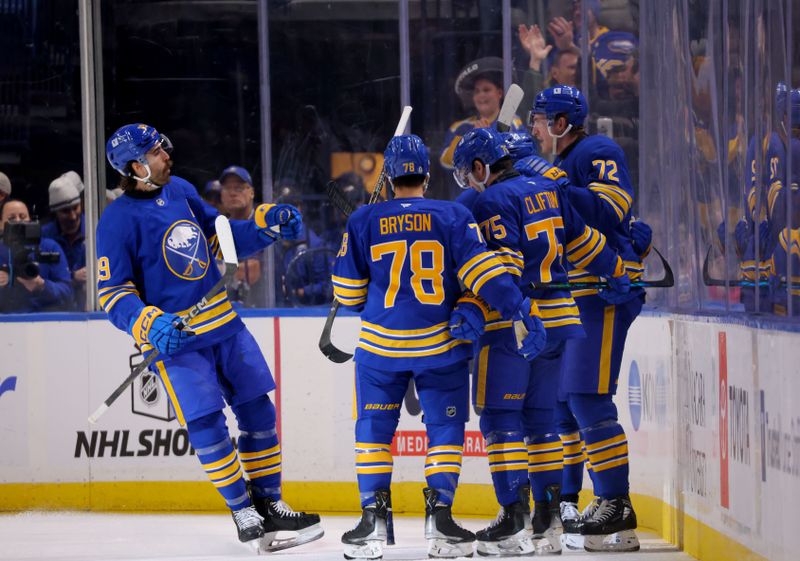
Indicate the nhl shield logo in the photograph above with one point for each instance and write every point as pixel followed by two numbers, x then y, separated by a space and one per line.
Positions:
pixel 185 250
pixel 450 411
pixel 148 390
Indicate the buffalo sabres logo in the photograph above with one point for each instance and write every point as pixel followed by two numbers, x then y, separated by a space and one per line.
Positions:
pixel 186 250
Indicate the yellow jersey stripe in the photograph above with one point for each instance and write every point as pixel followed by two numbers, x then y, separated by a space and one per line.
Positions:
pixel 386 332
pixel 349 283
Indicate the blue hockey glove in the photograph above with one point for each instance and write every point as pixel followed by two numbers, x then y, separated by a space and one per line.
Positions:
pixel 641 238
pixel 765 240
pixel 530 332
pixel 157 327
pixel 279 221
pixel 619 286
pixel 722 233
pixel 468 318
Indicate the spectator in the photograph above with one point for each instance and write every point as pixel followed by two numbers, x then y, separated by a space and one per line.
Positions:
pixel 623 80
pixel 237 201
pixel 25 287
pixel 67 229
pixel 212 193
pixel 5 187
pixel 608 48
pixel 563 70
pixel 480 84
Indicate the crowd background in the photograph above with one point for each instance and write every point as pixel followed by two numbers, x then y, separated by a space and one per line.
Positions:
pixel 300 92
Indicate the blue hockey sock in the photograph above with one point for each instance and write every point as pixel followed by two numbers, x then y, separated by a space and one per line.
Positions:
pixel 210 439
pixel 443 461
pixel 259 448
pixel 508 455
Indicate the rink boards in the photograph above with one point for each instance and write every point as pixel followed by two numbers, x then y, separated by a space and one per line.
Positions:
pixel 707 406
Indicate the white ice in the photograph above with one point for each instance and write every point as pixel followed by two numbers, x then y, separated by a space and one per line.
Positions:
pixel 79 536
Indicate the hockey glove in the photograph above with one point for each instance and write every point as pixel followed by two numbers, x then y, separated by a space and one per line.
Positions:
pixel 468 318
pixel 619 286
pixel 641 238
pixel 742 236
pixel 158 328
pixel 530 332
pixel 279 221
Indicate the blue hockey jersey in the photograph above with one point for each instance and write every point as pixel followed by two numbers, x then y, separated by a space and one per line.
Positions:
pixel 157 248
pixel 403 261
pixel 535 230
pixel 602 192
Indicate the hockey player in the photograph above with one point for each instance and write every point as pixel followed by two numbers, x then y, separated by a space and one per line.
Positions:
pixel 400 264
pixel 156 246
pixel 599 188
pixel 532 228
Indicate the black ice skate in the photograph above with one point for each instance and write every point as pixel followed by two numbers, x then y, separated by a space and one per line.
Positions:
pixel 571 520
pixel 611 527
pixel 511 532
pixel 366 540
pixel 279 517
pixel 445 537
pixel 546 522
pixel 249 524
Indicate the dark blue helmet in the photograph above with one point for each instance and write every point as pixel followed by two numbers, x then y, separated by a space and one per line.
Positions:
pixel 520 144
pixel 562 100
pixel 483 144
pixel 406 155
pixel 131 143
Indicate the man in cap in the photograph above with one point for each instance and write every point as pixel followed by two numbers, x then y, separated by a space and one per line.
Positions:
pixel 237 201
pixel 67 229
pixel 479 85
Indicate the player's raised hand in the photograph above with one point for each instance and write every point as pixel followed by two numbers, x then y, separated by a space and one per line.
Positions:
pixel 279 221
pixel 642 237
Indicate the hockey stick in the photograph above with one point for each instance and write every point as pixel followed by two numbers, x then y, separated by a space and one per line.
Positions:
pixel 665 282
pixel 338 199
pixel 325 345
pixel 228 249
pixel 708 280
pixel 511 102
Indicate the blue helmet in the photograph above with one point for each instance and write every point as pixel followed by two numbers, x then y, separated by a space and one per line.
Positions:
pixel 131 143
pixel 520 144
pixel 562 100
pixel 406 155
pixel 483 144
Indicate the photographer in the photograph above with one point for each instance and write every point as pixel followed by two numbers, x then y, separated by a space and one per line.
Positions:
pixel 33 271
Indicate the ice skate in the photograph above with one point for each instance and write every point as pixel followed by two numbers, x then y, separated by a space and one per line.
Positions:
pixel 611 527
pixel 366 540
pixel 547 528
pixel 445 537
pixel 571 538
pixel 280 518
pixel 511 533
pixel 249 525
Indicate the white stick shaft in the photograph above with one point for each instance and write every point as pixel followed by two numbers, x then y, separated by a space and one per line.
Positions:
pixel 403 122
pixel 97 414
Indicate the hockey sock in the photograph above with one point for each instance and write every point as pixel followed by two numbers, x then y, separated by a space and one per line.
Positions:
pixel 443 461
pixel 545 456
pixel 259 448
pixel 374 455
pixel 210 439
pixel 508 455
pixel 573 448
pixel 606 444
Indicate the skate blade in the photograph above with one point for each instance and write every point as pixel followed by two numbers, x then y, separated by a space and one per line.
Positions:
pixel 571 543
pixel 440 548
pixel 550 542
pixel 370 549
pixel 620 541
pixel 271 542
pixel 519 544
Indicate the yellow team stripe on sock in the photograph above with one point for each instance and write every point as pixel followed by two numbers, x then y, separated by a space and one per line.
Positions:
pixel 245 456
pixel 610 465
pixel 598 457
pixel 607 442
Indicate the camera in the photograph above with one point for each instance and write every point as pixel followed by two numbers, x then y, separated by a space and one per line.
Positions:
pixel 22 239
